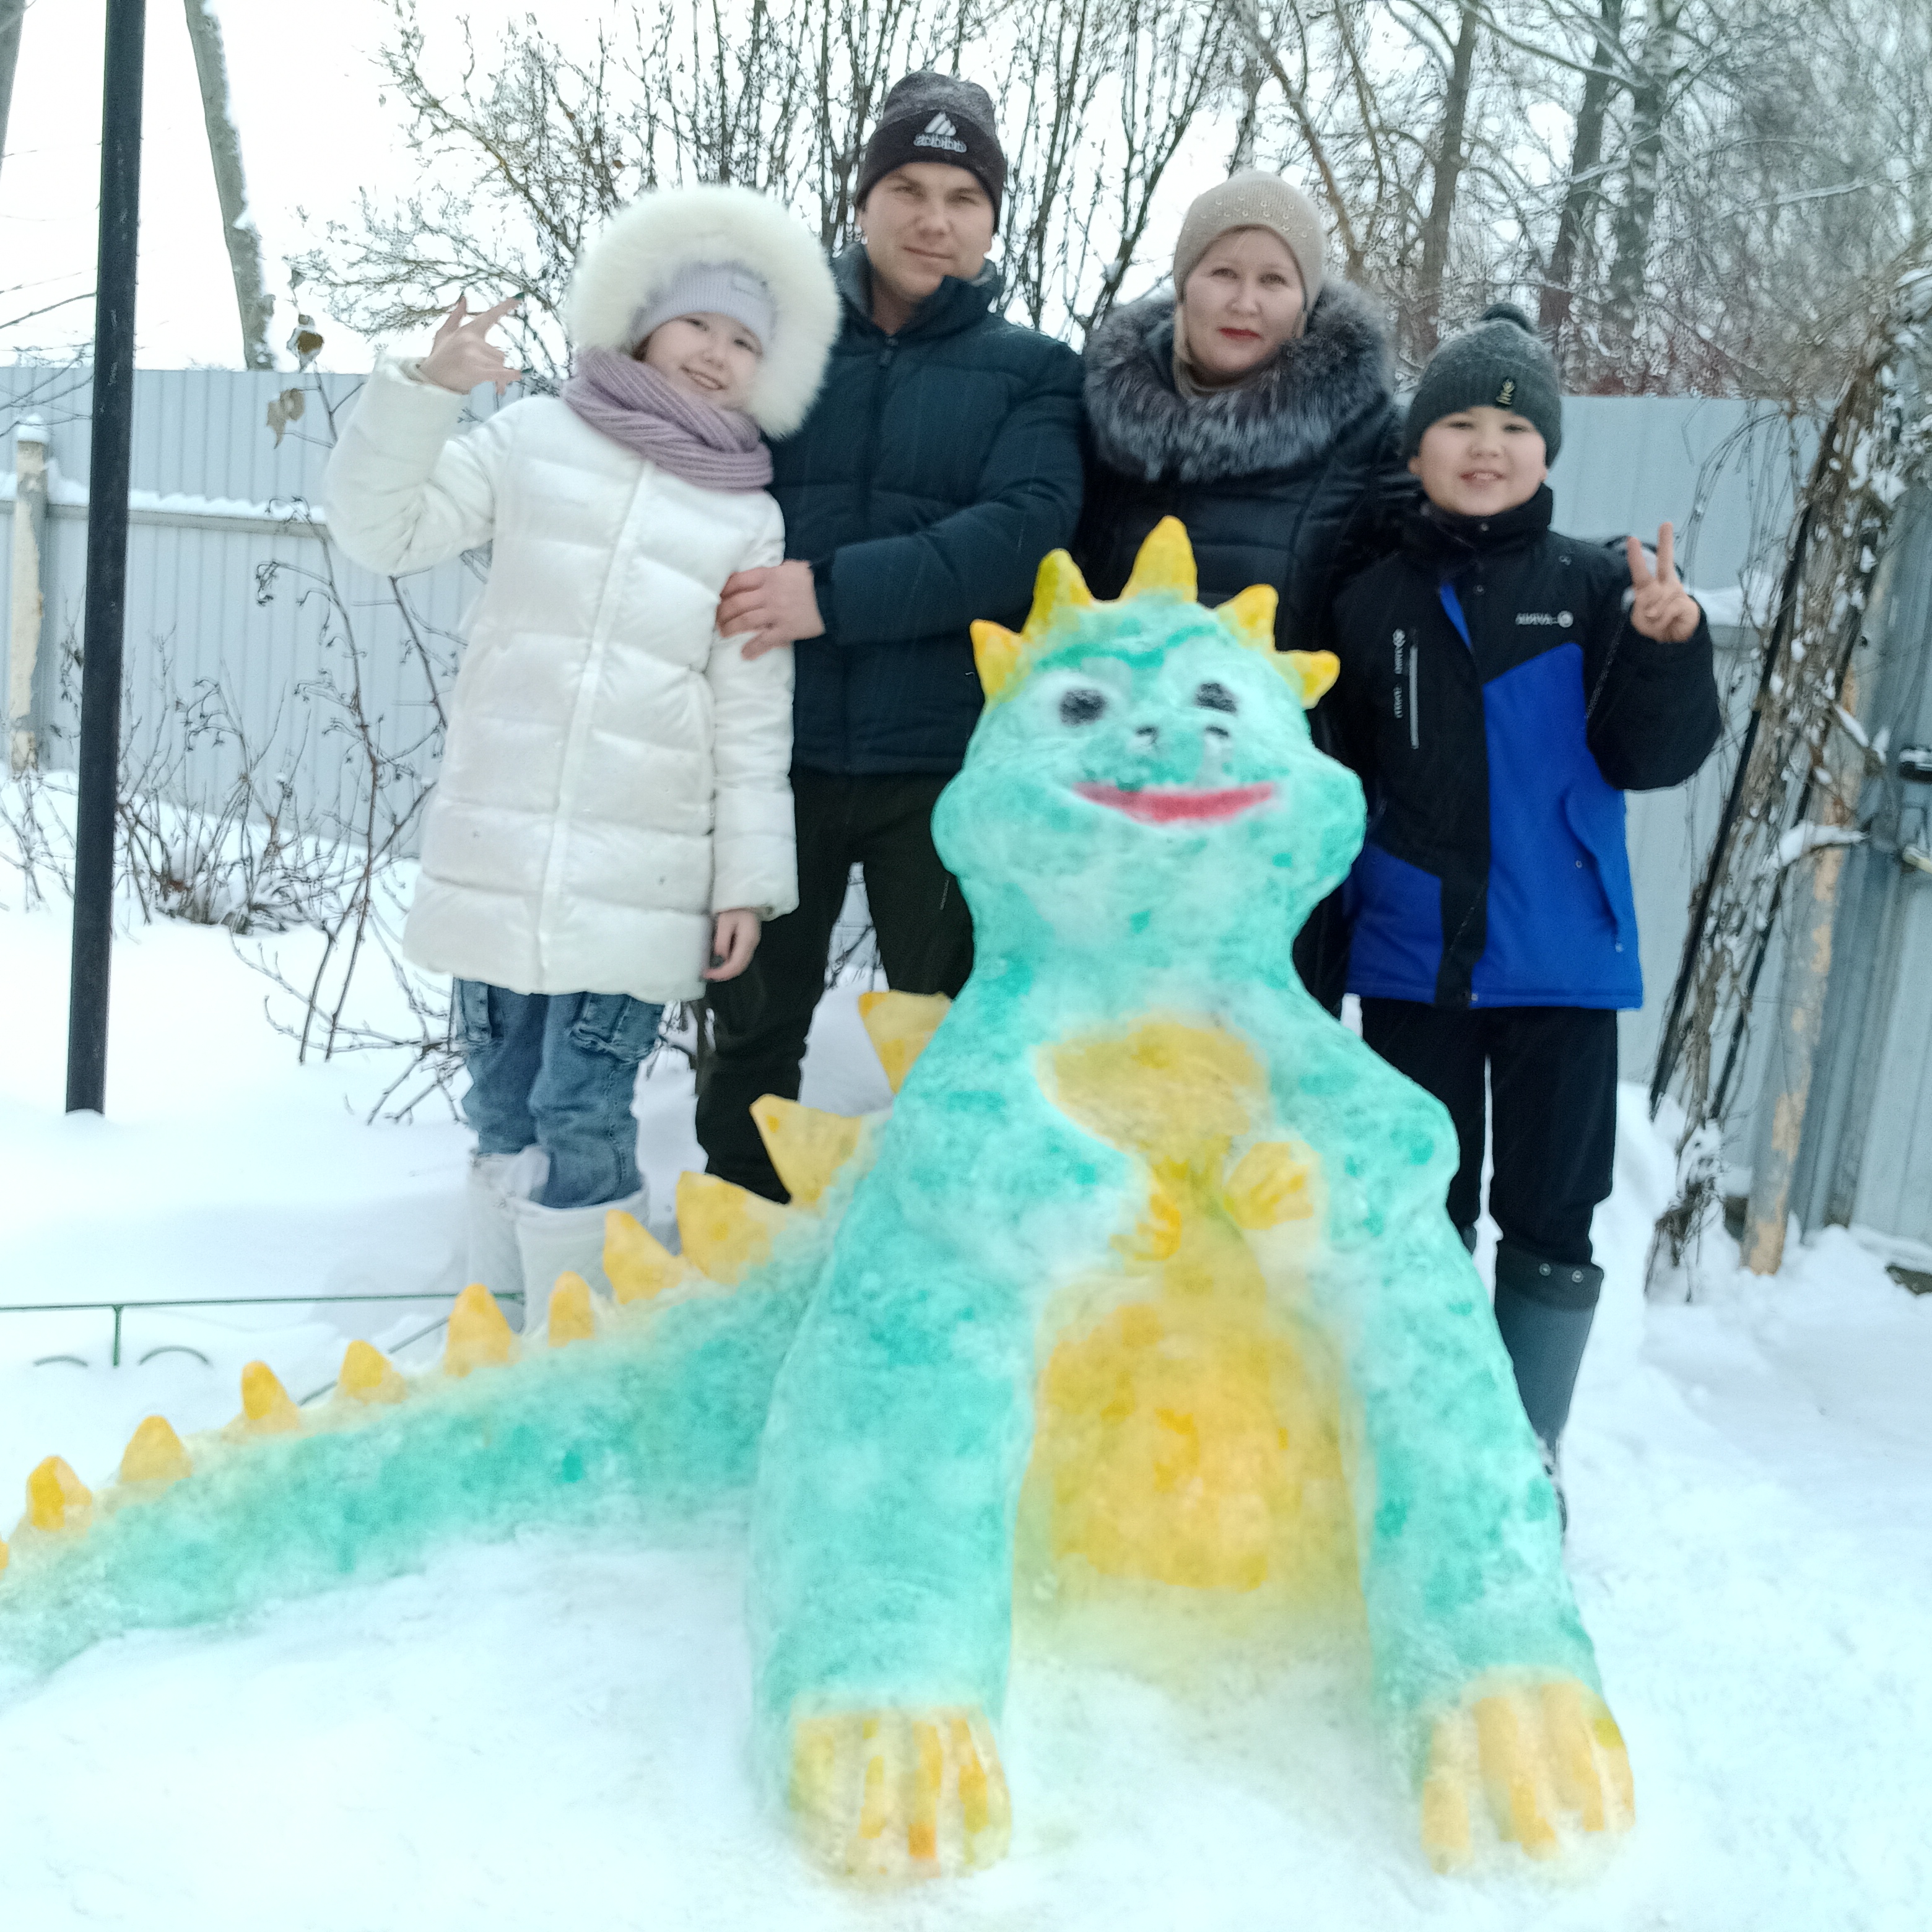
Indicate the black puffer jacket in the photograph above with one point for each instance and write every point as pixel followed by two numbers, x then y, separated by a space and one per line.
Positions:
pixel 1295 482
pixel 1496 702
pixel 936 469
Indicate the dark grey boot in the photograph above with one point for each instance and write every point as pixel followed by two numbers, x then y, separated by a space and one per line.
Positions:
pixel 1543 1311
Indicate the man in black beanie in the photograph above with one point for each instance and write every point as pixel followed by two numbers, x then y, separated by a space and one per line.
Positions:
pixel 940 463
pixel 935 117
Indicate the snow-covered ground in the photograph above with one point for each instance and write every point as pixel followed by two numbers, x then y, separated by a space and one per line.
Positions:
pixel 551 1734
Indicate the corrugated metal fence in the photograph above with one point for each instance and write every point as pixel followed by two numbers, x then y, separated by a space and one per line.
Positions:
pixel 1867 1153
pixel 250 638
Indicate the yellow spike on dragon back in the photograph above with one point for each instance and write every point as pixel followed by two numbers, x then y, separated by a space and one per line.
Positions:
pixel 479 1336
pixel 57 1499
pixel 266 1408
pixel 155 1454
pixel 807 1147
pixel 638 1265
pixel 727 1230
pixel 570 1319
pixel 368 1375
pixel 899 1025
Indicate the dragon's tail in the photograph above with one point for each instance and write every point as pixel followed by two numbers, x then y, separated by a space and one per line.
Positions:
pixel 649 1409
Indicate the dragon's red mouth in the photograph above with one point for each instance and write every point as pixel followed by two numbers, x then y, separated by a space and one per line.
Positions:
pixel 1170 804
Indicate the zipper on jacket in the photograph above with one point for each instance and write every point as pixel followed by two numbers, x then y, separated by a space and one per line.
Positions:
pixel 884 363
pixel 1414 701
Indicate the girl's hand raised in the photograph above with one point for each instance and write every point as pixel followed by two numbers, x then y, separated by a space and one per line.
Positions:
pixel 1660 608
pixel 460 358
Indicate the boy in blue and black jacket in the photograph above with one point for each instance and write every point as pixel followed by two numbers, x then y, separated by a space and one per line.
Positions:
pixel 1501 687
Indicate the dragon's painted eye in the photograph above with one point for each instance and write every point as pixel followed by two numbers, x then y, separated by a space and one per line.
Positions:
pixel 1082 707
pixel 1213 696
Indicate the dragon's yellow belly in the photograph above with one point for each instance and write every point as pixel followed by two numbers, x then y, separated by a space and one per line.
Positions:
pixel 1187 1429
pixel 1193 1442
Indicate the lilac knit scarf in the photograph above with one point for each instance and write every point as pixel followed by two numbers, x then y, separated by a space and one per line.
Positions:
pixel 631 403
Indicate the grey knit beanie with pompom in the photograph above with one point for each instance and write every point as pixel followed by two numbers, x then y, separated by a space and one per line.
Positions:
pixel 1499 364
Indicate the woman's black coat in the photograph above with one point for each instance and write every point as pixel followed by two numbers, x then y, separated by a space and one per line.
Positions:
pixel 1296 481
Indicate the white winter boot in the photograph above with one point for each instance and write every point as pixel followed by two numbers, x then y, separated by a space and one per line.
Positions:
pixel 497 1182
pixel 553 1240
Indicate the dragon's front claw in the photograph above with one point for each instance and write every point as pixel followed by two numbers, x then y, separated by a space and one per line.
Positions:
pixel 1538 1756
pixel 896 1795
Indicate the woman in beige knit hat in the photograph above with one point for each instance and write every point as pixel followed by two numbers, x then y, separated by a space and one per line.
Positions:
pixel 1252 401
pixel 1247 270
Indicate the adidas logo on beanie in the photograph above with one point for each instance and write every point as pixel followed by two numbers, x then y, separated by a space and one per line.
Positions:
pixel 941 133
pixel 936 117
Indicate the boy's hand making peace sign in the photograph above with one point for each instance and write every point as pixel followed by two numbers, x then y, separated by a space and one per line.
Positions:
pixel 460 358
pixel 1661 608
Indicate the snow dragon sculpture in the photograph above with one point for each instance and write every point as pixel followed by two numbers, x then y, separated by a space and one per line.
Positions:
pixel 1143 1290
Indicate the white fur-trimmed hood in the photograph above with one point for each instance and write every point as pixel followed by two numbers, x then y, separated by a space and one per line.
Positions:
pixel 669 229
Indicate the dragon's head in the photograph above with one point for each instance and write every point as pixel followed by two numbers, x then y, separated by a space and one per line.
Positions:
pixel 1143 776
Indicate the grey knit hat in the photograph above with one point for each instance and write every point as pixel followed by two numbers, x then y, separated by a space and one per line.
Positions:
pixel 936 117
pixel 1253 200
pixel 711 288
pixel 1499 364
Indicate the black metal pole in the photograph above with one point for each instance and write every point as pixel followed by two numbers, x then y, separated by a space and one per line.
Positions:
pixel 99 776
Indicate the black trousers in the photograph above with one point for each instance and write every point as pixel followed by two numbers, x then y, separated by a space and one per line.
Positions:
pixel 760 1020
pixel 1553 1084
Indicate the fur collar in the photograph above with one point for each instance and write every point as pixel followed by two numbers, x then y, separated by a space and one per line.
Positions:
pixel 1319 385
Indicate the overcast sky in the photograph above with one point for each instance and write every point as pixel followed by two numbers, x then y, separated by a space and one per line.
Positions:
pixel 313 132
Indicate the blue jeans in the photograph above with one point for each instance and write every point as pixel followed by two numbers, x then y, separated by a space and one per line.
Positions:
pixel 557 1069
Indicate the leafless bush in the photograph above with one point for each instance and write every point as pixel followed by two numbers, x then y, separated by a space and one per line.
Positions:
pixel 385 764
pixel 38 841
pixel 234 854
pixel 242 852
pixel 214 827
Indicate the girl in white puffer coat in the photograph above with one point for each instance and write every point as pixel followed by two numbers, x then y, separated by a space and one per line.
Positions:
pixel 613 818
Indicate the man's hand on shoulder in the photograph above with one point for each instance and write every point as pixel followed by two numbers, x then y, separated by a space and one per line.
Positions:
pixel 1660 608
pixel 778 605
